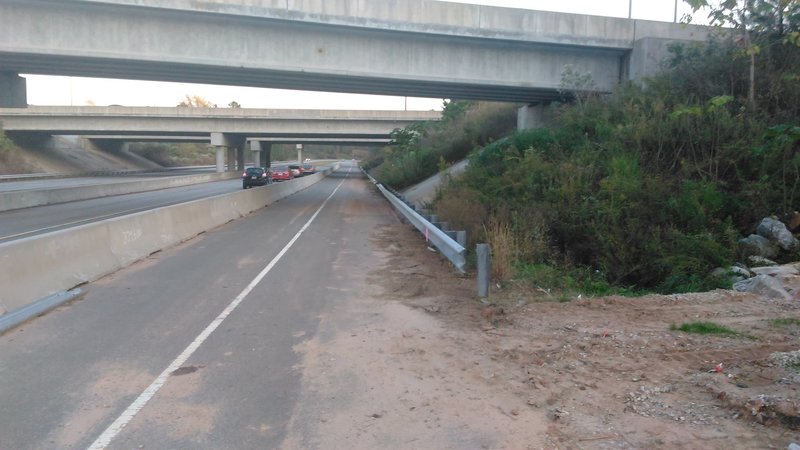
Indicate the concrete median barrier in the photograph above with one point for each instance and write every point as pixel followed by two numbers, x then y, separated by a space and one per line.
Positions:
pixel 39 266
pixel 40 197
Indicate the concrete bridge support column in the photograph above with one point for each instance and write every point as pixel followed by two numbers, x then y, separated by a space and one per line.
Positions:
pixel 262 153
pixel 13 91
pixel 219 142
pixel 232 144
pixel 231 159
pixel 646 57
pixel 530 117
pixel 240 157
pixel 255 150
pixel 299 153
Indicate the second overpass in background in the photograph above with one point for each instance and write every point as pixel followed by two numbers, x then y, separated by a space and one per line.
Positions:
pixel 225 128
pixel 266 123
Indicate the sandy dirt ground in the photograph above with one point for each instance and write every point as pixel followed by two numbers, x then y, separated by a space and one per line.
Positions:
pixel 418 362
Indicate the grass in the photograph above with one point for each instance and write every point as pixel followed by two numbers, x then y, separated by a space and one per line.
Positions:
pixel 786 322
pixel 706 328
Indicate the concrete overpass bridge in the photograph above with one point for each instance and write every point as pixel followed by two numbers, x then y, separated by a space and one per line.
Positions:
pixel 420 48
pixel 224 128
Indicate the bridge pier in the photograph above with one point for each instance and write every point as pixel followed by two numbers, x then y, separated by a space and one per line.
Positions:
pixel 231 159
pixel 262 153
pixel 231 143
pixel 13 91
pixel 531 117
pixel 299 153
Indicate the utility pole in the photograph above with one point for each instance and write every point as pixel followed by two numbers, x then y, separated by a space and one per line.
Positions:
pixel 630 9
pixel 675 20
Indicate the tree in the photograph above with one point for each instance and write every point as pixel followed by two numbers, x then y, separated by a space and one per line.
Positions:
pixel 759 24
pixel 195 101
pixel 234 104
pixel 452 109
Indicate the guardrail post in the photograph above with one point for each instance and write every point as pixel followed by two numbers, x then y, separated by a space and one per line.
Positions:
pixel 484 261
pixel 433 219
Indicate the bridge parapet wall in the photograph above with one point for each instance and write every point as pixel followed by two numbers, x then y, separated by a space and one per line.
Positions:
pixel 438 17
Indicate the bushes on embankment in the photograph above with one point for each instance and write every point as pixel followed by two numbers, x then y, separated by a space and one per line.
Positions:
pixel 421 150
pixel 11 160
pixel 647 189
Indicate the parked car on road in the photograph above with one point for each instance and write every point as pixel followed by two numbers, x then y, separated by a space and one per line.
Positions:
pixel 281 173
pixel 308 169
pixel 296 169
pixel 256 176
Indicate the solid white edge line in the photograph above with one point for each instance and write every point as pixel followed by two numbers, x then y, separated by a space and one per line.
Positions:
pixel 114 429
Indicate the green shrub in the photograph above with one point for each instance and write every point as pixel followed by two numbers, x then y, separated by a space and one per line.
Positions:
pixel 644 188
pixel 11 161
pixel 704 328
pixel 415 151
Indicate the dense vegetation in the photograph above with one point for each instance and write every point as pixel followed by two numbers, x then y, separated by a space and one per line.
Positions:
pixel 645 188
pixel 11 161
pixel 421 149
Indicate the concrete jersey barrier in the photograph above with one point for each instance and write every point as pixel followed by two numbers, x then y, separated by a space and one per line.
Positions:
pixel 26 199
pixel 39 266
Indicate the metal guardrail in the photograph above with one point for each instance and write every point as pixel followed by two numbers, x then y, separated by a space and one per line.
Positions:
pixel 444 243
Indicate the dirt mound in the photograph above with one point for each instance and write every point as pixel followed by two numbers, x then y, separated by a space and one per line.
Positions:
pixel 609 372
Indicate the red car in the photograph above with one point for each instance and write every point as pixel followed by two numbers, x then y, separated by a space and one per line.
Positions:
pixel 308 169
pixel 281 173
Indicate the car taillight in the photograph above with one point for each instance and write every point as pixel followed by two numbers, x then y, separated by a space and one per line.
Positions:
pixel 244 174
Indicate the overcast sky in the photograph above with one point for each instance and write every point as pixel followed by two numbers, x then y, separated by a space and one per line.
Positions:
pixel 46 90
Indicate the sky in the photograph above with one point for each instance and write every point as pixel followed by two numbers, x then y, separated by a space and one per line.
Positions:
pixel 74 91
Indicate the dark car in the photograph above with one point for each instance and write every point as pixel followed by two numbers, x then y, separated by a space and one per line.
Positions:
pixel 281 173
pixel 308 169
pixel 256 176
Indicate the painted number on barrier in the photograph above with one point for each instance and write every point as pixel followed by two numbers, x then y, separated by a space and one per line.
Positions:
pixel 129 236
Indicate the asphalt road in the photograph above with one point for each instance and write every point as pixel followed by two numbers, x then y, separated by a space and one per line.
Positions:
pixel 21 223
pixel 66 377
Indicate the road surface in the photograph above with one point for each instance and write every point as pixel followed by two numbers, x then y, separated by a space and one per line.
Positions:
pixel 26 222
pixel 67 376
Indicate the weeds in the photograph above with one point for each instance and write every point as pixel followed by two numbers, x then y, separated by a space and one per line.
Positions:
pixel 11 161
pixel 502 243
pixel 786 322
pixel 650 188
pixel 705 328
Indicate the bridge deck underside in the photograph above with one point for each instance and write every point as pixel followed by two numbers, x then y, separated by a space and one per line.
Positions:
pixel 81 39
pixel 139 70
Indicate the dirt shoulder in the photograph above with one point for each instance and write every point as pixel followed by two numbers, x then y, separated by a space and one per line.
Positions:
pixel 423 364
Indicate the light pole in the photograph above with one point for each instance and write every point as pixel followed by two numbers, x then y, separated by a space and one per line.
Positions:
pixel 630 9
pixel 675 19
